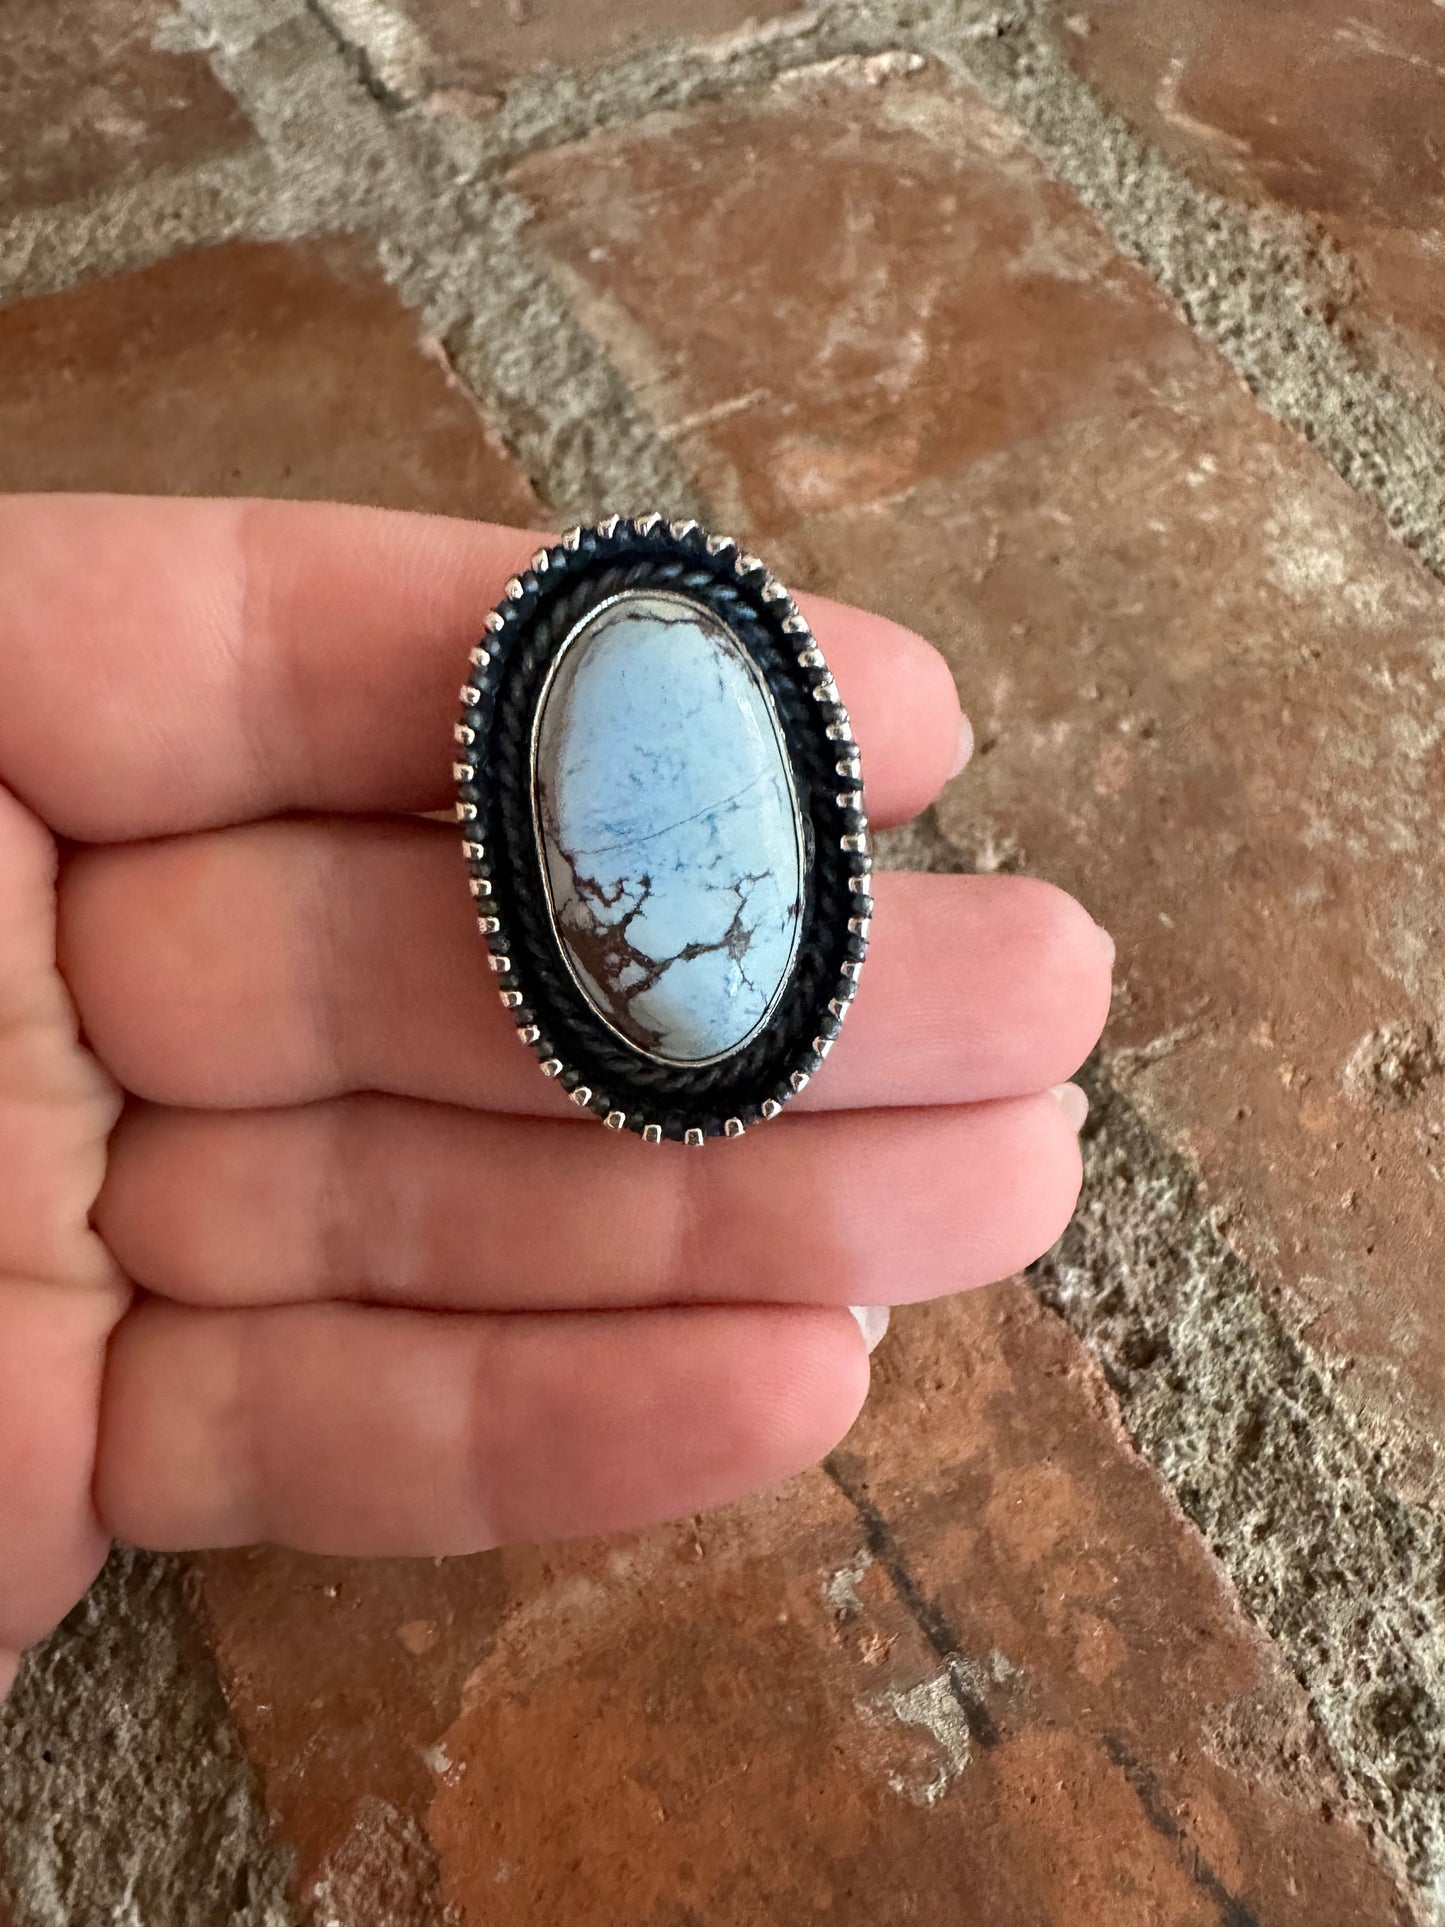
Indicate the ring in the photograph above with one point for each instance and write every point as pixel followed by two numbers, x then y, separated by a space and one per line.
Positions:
pixel 662 815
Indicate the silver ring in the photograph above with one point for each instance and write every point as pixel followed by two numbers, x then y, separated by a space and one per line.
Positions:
pixel 662 812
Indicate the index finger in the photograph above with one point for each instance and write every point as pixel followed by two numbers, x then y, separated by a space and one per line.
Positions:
pixel 177 665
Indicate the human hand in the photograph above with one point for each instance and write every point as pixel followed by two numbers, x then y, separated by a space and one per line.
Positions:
pixel 392 1294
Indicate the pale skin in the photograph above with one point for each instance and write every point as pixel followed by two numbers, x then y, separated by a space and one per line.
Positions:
pixel 296 1244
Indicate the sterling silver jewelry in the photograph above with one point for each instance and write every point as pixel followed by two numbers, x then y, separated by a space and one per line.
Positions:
pixel 662 814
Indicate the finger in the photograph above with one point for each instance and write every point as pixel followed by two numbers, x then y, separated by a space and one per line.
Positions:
pixel 218 661
pixel 389 1201
pixel 280 963
pixel 59 1292
pixel 52 1355
pixel 345 1429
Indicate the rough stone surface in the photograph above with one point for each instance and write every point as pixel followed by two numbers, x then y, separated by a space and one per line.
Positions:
pixel 1327 1556
pixel 267 370
pixel 126 1799
pixel 1327 112
pixel 994 429
pixel 97 106
pixel 446 237
pixel 471 53
pixel 932 1672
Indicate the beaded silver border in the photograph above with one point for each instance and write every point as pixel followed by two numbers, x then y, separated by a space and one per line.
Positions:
pixel 853 841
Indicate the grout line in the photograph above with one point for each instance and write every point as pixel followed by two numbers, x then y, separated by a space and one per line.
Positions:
pixel 554 107
pixel 370 69
pixel 1254 284
pixel 125 1791
pixel 547 386
pixel 1347 1579
pixel 449 236
pixel 46 250
pixel 1344 1577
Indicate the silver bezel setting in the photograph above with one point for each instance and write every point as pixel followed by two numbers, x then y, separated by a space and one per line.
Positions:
pixel 835 811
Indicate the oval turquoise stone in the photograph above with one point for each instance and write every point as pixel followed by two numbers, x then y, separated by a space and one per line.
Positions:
pixel 671 835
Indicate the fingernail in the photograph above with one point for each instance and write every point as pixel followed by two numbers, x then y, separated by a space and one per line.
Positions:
pixel 1074 1102
pixel 965 746
pixel 872 1322
pixel 1108 943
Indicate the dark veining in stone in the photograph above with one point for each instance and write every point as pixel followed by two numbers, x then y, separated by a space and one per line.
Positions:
pixel 669 826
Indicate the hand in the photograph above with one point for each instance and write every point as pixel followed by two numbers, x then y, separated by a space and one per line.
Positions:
pixel 348 1273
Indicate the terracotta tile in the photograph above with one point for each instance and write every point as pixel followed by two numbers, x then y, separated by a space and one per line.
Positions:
pixel 345 1679
pixel 89 101
pixel 1154 1760
pixel 847 290
pixel 794 1712
pixel 1322 107
pixel 1204 679
pixel 267 370
pixel 475 51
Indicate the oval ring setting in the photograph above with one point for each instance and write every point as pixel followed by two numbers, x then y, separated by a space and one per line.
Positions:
pixel 663 824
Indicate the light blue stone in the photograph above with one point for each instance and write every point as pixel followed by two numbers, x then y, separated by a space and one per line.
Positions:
pixel 670 830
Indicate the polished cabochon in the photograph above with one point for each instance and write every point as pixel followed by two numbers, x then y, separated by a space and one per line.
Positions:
pixel 670 832
pixel 663 824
